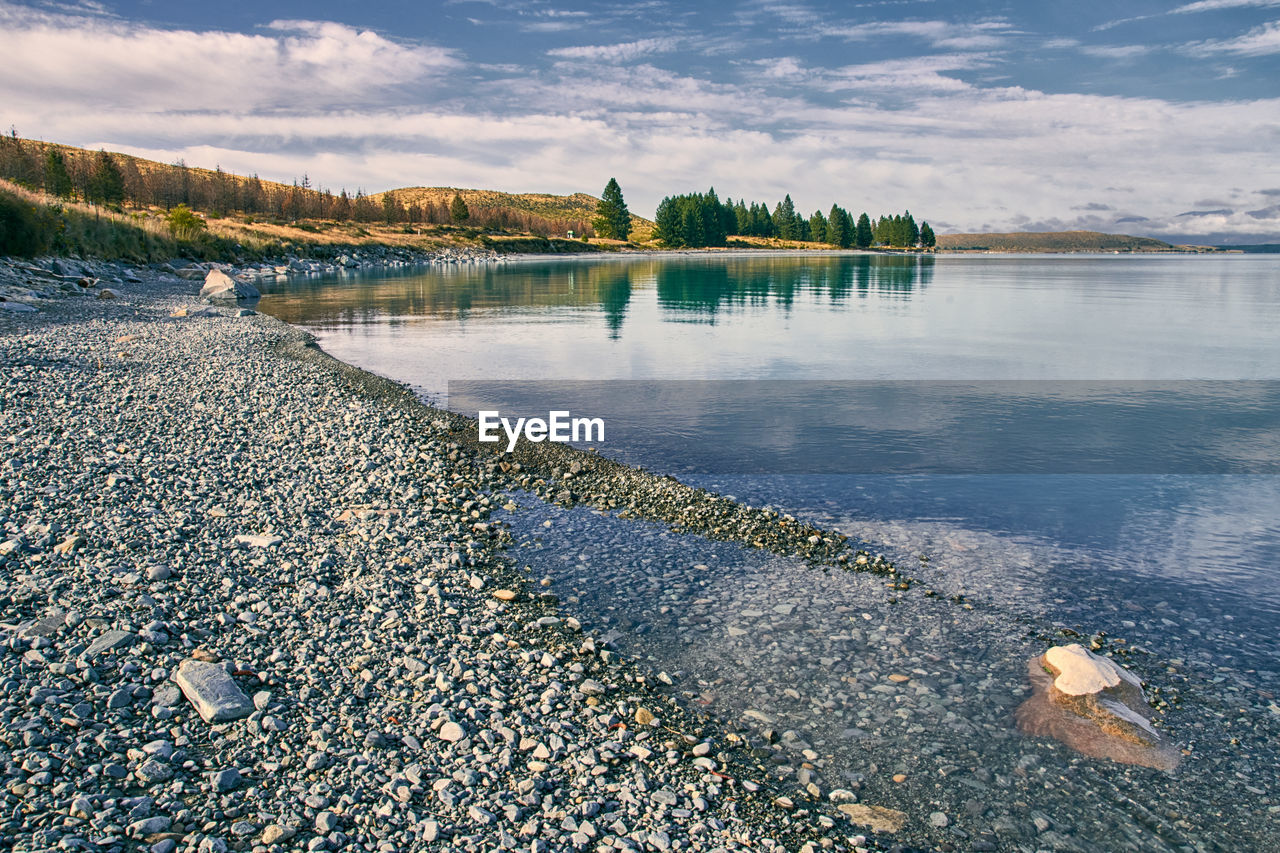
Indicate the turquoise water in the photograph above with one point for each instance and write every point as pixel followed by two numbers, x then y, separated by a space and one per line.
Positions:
pixel 1180 563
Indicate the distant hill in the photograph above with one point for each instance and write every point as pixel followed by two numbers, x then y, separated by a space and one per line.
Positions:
pixel 1052 241
pixel 579 206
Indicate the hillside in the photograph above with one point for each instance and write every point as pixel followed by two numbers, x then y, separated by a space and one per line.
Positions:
pixel 301 211
pixel 567 208
pixel 1051 241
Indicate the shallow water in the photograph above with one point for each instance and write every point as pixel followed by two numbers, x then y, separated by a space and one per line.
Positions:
pixel 1182 564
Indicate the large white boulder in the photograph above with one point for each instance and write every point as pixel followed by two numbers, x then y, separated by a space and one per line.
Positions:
pixel 219 285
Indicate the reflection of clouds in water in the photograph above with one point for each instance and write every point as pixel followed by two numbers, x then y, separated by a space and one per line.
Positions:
pixel 1002 569
pixel 1221 532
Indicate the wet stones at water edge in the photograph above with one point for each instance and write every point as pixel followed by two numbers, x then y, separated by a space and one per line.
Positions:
pixel 1096 707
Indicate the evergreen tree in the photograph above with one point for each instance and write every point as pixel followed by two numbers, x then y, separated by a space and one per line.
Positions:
pixel 839 227
pixel 927 238
pixel 667 223
pixel 612 220
pixel 818 227
pixel 784 219
pixel 458 211
pixel 910 233
pixel 106 184
pixel 862 233
pixel 691 226
pixel 57 180
pixel 392 212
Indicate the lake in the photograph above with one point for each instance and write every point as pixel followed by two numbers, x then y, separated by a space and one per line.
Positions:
pixel 1055 445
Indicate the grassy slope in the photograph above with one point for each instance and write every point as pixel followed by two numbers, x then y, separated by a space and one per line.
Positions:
pixel 576 206
pixel 1052 241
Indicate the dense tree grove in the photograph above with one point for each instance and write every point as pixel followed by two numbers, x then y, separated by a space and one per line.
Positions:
pixel 700 219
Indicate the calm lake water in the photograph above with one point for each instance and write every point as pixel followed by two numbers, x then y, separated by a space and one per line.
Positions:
pixel 1144 502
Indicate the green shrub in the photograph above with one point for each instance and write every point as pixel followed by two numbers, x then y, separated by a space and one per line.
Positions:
pixel 183 222
pixel 25 228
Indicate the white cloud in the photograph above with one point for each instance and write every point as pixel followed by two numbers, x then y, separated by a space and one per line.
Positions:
pixel 336 103
pixel 117 65
pixel 1115 51
pixel 1215 5
pixel 1260 41
pixel 624 52
pixel 941 34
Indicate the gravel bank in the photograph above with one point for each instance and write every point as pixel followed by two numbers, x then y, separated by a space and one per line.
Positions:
pixel 184 485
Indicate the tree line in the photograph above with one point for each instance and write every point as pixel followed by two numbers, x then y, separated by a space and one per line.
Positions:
pixel 113 180
pixel 701 219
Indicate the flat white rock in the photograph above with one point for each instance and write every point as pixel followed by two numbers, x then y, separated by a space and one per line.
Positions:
pixel 1081 672
pixel 209 687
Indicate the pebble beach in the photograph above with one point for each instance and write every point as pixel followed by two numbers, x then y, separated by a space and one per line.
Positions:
pixel 253 599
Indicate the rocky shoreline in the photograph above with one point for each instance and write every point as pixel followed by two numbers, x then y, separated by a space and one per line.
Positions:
pixel 193 483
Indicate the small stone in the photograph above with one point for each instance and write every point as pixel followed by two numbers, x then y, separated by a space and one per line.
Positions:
pixel 899 777
pixel 120 698
pixel 451 732
pixel 939 819
pixel 153 772
pixel 880 819
pixel 72 543
pixel 225 780
pixel 326 822
pixel 109 641
pixel 260 540
pixel 504 594
pixel 644 717
pixel 149 826
pixel 159 573
pixel 591 687
pixel 276 833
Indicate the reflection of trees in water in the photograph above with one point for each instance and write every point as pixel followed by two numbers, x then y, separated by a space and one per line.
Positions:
pixel 689 289
pixel 456 293
pixel 706 288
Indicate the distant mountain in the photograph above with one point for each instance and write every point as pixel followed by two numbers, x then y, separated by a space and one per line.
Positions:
pixel 1052 241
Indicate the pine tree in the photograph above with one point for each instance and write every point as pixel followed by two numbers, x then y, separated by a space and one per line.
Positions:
pixel 784 219
pixel 106 184
pixel 713 232
pixel 818 227
pixel 57 180
pixel 612 220
pixel 691 226
pixel 910 233
pixel 927 238
pixel 838 227
pixel 667 223
pixel 392 212
pixel 458 211
pixel 862 233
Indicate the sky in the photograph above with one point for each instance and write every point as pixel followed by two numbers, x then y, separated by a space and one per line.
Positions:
pixel 1150 118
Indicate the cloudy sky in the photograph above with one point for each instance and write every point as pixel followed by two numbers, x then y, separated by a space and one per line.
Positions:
pixel 1141 117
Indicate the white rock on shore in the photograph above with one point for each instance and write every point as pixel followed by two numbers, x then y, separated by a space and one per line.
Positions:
pixel 220 286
